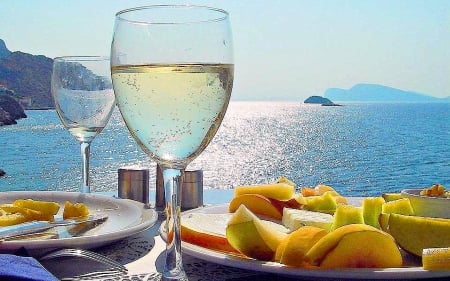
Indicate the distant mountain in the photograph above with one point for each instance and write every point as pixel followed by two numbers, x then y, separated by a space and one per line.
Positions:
pixel 27 77
pixel 378 93
pixel 4 52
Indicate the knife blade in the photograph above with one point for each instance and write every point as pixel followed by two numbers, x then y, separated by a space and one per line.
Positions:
pixel 7 232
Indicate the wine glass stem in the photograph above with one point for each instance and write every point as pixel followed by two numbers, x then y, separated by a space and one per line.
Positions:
pixel 174 265
pixel 85 153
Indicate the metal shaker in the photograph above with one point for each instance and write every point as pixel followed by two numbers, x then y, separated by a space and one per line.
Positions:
pixel 133 184
pixel 190 191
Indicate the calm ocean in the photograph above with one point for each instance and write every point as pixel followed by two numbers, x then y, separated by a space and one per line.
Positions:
pixel 359 149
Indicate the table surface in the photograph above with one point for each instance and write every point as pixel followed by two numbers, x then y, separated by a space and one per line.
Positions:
pixel 144 254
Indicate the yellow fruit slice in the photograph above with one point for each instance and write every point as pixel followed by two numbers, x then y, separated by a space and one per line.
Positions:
pixel 7 219
pixel 279 191
pixel 325 203
pixel 46 207
pixel 400 206
pixel 414 233
pixel 28 213
pixel 75 210
pixel 391 196
pixel 372 207
pixel 283 179
pixel 436 259
pixel 347 214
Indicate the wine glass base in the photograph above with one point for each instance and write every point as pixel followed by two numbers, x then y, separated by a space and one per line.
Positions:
pixel 181 276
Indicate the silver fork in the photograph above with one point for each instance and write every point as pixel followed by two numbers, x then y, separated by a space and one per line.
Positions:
pixel 68 252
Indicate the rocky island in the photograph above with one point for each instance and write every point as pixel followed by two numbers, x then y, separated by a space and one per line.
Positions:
pixel 320 100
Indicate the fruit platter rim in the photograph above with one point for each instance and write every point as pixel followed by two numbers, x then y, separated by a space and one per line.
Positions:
pixel 229 259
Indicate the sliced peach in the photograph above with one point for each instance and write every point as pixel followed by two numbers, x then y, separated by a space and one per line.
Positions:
pixel 298 244
pixel 308 191
pixel 362 246
pixel 258 204
pixel 364 249
pixel 322 188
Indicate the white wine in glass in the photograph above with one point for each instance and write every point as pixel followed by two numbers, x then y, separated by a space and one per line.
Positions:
pixel 84 100
pixel 172 71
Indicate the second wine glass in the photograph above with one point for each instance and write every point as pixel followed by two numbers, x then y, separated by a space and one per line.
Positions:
pixel 84 100
pixel 172 70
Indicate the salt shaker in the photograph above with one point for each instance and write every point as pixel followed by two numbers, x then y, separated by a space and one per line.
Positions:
pixel 133 184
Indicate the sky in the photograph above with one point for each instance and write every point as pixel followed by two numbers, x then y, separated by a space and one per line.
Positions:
pixel 283 50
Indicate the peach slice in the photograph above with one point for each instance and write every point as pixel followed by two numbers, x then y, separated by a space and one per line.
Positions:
pixel 355 245
pixel 258 204
pixel 294 247
pixel 364 249
pixel 263 206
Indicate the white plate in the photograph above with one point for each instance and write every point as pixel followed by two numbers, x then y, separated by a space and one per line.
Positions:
pixel 125 218
pixel 413 271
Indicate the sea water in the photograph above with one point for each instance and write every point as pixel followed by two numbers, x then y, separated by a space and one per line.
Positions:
pixel 359 149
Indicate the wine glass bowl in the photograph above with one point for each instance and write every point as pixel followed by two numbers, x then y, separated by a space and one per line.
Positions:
pixel 84 100
pixel 172 70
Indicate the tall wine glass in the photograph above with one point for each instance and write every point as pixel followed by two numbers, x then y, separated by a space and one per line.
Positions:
pixel 84 100
pixel 172 71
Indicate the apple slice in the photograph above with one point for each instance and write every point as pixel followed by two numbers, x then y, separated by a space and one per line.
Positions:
pixel 250 236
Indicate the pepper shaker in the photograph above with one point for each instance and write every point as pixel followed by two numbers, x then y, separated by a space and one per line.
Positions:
pixel 190 192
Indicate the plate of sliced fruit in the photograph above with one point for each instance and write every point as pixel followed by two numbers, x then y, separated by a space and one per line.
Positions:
pixel 123 218
pixel 322 234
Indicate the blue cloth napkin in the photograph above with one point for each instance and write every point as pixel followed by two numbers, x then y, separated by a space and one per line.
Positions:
pixel 15 268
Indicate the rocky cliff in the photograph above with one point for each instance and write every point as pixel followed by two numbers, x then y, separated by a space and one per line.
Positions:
pixel 27 76
pixel 10 109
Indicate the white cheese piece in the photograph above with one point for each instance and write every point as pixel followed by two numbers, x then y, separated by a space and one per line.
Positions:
pixel 296 218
